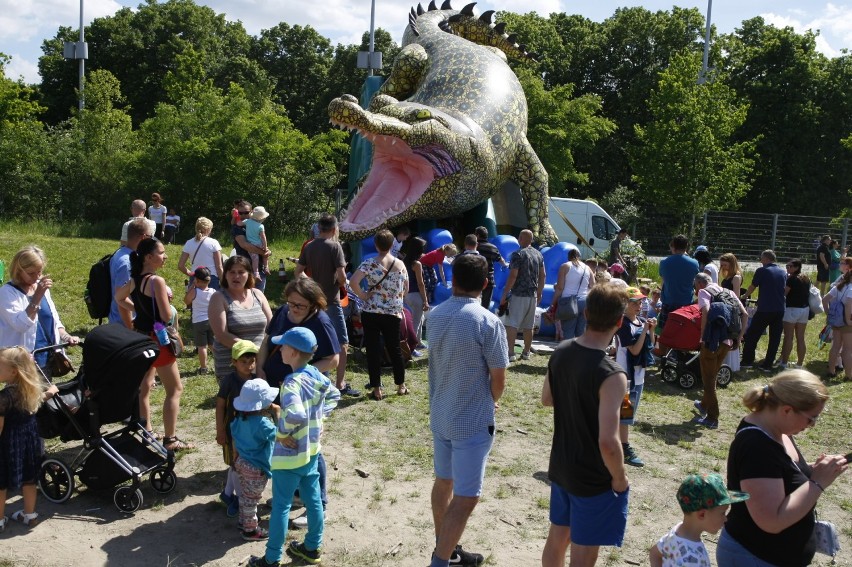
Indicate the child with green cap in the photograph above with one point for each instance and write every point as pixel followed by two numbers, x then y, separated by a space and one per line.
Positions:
pixel 307 397
pixel 244 359
pixel 704 500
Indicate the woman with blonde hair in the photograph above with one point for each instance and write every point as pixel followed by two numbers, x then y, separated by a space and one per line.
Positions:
pixel 28 316
pixel 202 250
pixel 839 300
pixel 731 277
pixel 775 526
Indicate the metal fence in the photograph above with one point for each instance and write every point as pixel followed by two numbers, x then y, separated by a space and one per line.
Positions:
pixel 745 234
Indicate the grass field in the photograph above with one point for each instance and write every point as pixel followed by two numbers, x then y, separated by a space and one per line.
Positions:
pixel 392 441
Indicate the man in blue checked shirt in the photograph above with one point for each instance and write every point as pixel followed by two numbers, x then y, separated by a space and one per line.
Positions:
pixel 468 356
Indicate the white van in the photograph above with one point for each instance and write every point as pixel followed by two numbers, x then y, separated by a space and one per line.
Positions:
pixel 506 209
pixel 576 218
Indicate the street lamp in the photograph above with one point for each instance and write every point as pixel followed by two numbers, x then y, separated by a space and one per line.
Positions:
pixel 702 77
pixel 369 59
pixel 78 50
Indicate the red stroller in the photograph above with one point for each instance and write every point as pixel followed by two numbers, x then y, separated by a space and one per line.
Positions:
pixel 678 347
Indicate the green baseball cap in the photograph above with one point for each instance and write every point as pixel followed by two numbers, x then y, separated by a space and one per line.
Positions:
pixel 705 491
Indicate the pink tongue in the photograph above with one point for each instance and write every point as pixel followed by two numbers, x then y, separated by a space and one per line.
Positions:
pixel 393 184
pixel 389 192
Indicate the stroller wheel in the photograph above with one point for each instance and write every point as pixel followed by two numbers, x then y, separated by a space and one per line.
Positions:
pixel 163 480
pixel 670 374
pixel 127 499
pixel 55 480
pixel 687 380
pixel 723 378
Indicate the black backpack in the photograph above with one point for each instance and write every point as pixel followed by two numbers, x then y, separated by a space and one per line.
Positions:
pixel 98 294
pixel 726 297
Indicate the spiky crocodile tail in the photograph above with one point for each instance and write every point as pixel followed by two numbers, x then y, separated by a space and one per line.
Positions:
pixel 480 30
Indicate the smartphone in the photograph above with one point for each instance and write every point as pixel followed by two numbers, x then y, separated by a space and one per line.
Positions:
pixel 848 457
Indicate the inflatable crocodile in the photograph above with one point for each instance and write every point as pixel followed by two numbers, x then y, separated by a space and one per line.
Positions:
pixel 448 127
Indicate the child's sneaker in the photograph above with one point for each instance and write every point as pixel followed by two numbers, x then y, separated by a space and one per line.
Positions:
pixel 233 506
pixel 257 534
pixel 298 550
pixel 261 562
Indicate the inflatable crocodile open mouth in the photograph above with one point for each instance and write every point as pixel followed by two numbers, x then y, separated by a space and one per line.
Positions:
pixel 448 127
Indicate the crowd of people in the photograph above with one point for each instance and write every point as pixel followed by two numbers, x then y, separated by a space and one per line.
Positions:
pixel 281 373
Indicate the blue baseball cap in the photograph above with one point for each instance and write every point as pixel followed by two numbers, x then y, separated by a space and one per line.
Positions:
pixel 300 338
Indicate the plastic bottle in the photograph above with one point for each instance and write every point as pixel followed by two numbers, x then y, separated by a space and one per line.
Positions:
pixel 282 272
pixel 626 407
pixel 162 335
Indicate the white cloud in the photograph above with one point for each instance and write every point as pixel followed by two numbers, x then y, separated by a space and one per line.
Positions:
pixel 20 68
pixel 834 23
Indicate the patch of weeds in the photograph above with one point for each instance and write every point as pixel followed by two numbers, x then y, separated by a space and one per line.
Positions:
pixel 542 503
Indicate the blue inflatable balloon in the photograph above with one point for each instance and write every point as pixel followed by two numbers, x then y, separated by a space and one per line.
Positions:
pixel 448 271
pixel 442 293
pixel 554 257
pixel 436 238
pixel 367 246
pixel 506 245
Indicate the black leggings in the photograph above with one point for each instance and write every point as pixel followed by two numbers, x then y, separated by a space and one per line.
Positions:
pixel 376 327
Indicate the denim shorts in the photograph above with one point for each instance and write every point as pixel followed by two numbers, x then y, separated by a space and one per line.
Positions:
pixel 335 313
pixel 730 553
pixel 796 314
pixel 635 397
pixel 594 520
pixel 463 461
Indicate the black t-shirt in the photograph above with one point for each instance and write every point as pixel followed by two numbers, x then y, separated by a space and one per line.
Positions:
pixel 614 250
pixel 822 252
pixel 319 324
pixel 754 454
pixel 491 255
pixel 237 230
pixel 799 292
pixel 576 374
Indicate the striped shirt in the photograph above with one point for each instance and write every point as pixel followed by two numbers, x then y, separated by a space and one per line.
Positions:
pixel 307 397
pixel 465 342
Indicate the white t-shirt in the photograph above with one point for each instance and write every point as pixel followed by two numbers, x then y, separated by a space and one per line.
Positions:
pixel 681 552
pixel 395 248
pixel 206 248
pixel 152 226
pixel 157 214
pixel 712 271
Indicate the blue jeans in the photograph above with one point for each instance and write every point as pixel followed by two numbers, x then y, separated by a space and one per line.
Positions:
pixel 284 484
pixel 730 553
pixel 575 327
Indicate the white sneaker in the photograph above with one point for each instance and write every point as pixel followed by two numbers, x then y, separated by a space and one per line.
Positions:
pixel 302 521
pixel 526 355
pixel 513 358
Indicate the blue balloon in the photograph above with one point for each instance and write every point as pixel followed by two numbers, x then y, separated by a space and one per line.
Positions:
pixel 367 246
pixel 442 293
pixel 506 245
pixel 436 238
pixel 554 257
pixel 448 271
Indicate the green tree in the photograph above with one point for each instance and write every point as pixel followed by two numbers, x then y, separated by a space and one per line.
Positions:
pixel 140 47
pixel 298 59
pixel 24 149
pixel 685 160
pixel 777 72
pixel 559 125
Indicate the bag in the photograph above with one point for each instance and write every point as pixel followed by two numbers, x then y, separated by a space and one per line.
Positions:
pixel 98 294
pixel 175 342
pixel 567 308
pixel 736 326
pixel 825 535
pixel 836 315
pixel 815 301
pixel 58 363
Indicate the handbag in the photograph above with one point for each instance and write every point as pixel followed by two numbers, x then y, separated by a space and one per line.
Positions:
pixel 827 540
pixel 567 308
pixel 58 363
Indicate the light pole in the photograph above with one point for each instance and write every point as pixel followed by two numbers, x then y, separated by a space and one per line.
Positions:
pixel 702 77
pixel 80 51
pixel 370 59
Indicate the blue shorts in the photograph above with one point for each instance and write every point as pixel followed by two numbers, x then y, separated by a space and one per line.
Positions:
pixel 335 313
pixel 594 520
pixel 463 461
pixel 635 397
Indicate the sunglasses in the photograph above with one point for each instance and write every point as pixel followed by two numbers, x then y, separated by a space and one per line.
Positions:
pixel 811 419
pixel 244 213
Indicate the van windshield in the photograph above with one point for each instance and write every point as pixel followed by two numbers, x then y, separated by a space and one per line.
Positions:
pixel 603 228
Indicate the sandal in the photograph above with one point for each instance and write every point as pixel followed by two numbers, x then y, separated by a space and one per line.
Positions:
pixel 29 520
pixel 154 434
pixel 377 394
pixel 402 391
pixel 175 444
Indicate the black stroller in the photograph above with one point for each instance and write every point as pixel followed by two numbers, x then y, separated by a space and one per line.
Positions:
pixel 105 391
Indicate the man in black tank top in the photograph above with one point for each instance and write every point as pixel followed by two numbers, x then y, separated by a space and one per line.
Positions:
pixel 491 255
pixel 589 487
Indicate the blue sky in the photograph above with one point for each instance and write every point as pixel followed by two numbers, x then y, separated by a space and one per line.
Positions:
pixel 24 24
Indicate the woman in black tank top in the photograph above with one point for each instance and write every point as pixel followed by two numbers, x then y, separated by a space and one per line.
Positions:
pixel 148 296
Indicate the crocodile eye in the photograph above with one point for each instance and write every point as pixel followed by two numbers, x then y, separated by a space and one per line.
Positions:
pixel 424 114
